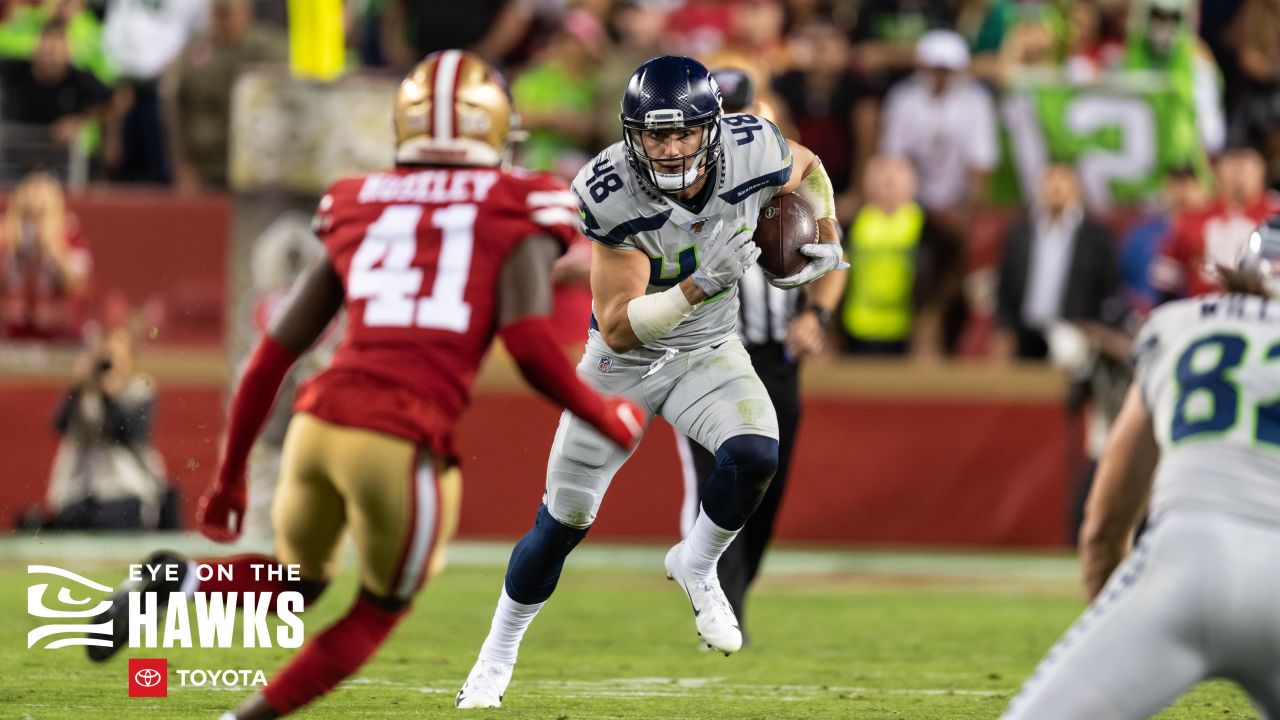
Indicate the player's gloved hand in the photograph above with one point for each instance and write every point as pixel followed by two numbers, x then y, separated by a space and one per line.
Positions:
pixel 622 421
pixel 824 257
pixel 220 512
pixel 725 258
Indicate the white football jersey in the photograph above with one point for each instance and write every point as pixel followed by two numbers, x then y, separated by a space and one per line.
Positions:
pixel 619 209
pixel 1209 372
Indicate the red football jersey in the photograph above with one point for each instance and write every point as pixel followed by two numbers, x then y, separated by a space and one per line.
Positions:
pixel 1205 238
pixel 419 251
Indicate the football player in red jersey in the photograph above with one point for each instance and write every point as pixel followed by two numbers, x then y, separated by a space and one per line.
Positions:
pixel 430 259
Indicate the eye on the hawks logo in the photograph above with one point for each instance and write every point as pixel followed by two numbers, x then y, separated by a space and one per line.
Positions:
pixel 75 592
pixel 148 677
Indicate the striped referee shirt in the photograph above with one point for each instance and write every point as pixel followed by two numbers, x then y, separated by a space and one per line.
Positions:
pixel 764 311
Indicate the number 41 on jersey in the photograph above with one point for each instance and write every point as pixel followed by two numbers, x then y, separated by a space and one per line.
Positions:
pixel 382 270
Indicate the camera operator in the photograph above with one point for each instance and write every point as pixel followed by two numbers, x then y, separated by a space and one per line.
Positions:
pixel 106 474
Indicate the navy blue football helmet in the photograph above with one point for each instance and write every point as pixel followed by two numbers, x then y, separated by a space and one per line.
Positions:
pixel 672 93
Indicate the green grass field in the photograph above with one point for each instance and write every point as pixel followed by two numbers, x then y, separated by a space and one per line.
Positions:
pixel 835 635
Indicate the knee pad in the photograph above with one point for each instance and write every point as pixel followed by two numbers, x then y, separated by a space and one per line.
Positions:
pixel 575 473
pixel 744 466
pixel 753 457
pixel 581 443
pixel 570 504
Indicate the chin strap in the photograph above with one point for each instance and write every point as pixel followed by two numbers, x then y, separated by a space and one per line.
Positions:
pixel 683 180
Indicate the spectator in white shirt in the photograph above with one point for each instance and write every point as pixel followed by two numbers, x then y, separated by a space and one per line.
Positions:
pixel 944 122
pixel 143 38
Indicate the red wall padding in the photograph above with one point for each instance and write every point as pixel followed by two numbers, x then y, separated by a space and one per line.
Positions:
pixel 163 253
pixel 878 471
pixel 188 420
pixel 890 471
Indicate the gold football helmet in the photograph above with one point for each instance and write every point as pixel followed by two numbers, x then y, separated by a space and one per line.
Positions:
pixel 454 109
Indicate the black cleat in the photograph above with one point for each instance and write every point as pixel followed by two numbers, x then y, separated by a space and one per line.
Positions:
pixel 118 613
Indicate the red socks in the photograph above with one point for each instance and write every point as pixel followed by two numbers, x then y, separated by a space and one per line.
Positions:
pixel 332 656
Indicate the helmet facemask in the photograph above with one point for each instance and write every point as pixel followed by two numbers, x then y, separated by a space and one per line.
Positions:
pixel 692 165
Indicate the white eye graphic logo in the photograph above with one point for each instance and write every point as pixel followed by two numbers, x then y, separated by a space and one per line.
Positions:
pixel 147 677
pixel 37 608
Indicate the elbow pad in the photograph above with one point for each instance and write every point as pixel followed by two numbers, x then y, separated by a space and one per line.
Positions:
pixel 653 316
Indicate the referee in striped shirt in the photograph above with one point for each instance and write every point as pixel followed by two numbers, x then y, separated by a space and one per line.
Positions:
pixel 778 328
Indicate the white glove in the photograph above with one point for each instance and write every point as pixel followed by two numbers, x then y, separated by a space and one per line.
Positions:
pixel 725 258
pixel 825 258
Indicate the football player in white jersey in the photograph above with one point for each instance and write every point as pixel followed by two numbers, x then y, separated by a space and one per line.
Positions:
pixel 671 209
pixel 1197 597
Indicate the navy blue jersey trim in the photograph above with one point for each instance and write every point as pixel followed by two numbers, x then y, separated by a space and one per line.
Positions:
pixel 783 147
pixel 619 234
pixel 755 185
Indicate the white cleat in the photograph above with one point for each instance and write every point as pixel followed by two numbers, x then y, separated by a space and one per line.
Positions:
pixel 717 625
pixel 485 685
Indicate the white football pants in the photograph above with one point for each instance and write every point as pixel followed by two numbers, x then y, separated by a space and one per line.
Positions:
pixel 1198 598
pixel 709 394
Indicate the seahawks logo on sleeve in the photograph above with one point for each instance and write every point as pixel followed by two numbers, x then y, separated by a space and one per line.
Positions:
pixel 762 157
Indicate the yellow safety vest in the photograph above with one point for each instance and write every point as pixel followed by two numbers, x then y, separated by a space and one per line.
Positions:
pixel 882 253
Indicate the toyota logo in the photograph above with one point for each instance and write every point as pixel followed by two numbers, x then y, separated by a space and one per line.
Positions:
pixel 147 677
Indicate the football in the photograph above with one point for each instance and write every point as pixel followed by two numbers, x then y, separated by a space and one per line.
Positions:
pixel 784 224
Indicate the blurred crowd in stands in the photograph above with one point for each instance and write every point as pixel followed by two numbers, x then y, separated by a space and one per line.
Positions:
pixel 1016 179
pixel 920 110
